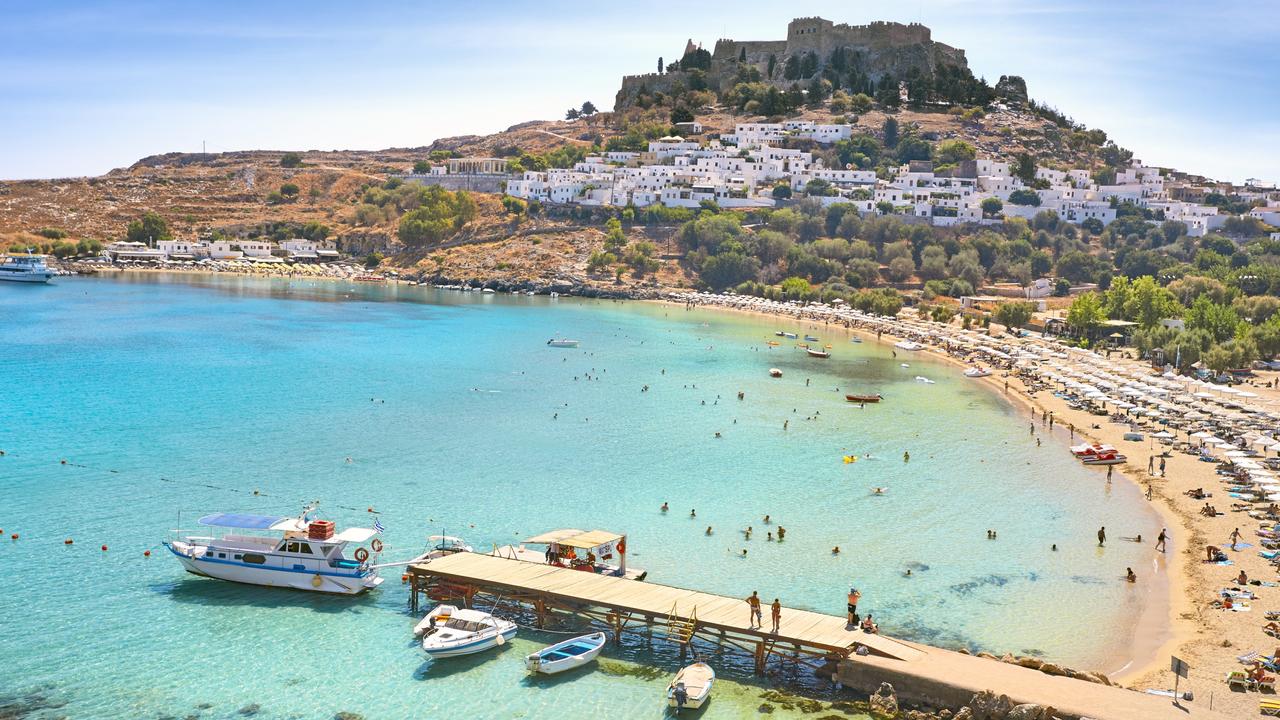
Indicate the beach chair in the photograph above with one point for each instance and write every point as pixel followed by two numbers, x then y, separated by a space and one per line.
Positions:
pixel 1268 682
pixel 1238 678
pixel 1249 657
pixel 1269 707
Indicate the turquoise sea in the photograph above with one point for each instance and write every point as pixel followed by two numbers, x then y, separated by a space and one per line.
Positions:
pixel 172 396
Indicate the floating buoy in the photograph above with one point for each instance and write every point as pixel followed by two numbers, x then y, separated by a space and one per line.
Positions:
pixel 104 548
pixel 370 509
pixel 404 578
pixel 146 553
pixel 317 581
pixel 64 462
pixel 255 492
pixel 67 541
pixel 850 459
pixel 14 536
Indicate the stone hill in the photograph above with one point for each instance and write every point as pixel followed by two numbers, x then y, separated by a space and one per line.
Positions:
pixel 849 55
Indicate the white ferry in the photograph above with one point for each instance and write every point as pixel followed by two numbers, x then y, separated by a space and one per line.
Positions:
pixel 301 554
pixel 25 268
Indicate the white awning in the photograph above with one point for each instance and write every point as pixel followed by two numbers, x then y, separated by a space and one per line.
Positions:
pixel 355 535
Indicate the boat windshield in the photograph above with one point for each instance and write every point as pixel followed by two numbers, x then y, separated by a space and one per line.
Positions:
pixel 466 625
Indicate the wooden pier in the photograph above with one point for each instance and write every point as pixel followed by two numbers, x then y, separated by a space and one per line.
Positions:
pixel 621 604
pixel 920 673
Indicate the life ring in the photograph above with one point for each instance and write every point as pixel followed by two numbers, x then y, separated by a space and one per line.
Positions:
pixel 362 554
pixel 376 545
pixel 622 546
pixel 316 581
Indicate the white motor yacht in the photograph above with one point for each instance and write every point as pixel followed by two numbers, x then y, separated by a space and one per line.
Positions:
pixel 25 268
pixel 299 553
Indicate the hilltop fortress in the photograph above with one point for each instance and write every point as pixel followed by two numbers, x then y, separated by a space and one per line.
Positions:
pixel 874 51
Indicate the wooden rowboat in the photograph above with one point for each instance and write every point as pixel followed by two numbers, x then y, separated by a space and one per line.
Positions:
pixel 864 398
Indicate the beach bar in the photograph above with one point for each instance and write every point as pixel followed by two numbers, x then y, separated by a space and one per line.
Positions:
pixel 918 673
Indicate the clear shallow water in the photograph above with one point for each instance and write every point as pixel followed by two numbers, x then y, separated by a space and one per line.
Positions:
pixel 169 394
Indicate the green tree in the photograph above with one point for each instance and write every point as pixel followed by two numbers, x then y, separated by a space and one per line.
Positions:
pixel 290 190
pixel 681 114
pixel 291 160
pixel 728 269
pixel 782 191
pixel 614 239
pixel 900 269
pixel 950 152
pixel 1219 321
pixel 439 214
pixel 588 108
pixel 1014 314
pixel 1025 197
pixel 796 287
pixel 890 132
pixel 1149 303
pixel 991 207
pixel 421 167
pixel 1085 313
pixel 1024 168
pixel 150 229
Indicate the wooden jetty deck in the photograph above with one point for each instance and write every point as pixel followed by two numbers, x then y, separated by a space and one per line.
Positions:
pixel 918 672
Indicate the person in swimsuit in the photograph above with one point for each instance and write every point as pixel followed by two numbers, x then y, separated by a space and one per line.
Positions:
pixel 853 598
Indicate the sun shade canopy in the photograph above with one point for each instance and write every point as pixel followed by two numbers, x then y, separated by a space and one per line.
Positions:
pixel 241 520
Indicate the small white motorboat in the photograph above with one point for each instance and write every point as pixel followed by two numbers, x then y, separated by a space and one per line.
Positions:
pixel 449 632
pixel 567 655
pixel 923 379
pixel 561 343
pixel 817 353
pixel 977 372
pixel 691 686
pixel 855 339
pixel 775 372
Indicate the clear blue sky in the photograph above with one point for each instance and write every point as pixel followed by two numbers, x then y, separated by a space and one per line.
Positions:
pixel 89 86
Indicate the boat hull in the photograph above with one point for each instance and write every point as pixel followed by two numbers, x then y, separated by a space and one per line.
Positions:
pixel 470 648
pixel 333 583
pixel 862 398
pixel 556 659
pixel 26 277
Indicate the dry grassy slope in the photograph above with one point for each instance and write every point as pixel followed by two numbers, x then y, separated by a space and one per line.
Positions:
pixel 201 192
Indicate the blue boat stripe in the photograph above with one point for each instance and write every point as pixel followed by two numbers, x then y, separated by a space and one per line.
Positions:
pixel 254 566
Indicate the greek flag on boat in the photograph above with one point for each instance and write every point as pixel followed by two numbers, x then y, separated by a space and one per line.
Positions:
pixel 377 526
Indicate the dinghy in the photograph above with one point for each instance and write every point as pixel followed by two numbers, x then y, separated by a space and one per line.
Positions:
pixel 449 632
pixel 562 343
pixel 817 353
pixel 567 655
pixel 691 687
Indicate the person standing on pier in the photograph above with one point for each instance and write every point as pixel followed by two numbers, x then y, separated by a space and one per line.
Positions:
pixel 757 618
pixel 775 611
pixel 854 597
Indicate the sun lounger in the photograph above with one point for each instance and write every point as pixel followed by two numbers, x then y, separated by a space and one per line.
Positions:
pixel 1239 678
pixel 1268 682
pixel 1249 657
pixel 1269 707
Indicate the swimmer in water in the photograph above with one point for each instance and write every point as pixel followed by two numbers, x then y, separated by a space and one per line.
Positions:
pixel 835 550
pixel 693 513
pixel 708 529
pixel 665 507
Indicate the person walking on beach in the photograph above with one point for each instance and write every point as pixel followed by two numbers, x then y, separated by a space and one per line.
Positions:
pixel 1161 466
pixel 1235 538
pixel 754 603
pixel 1110 470
pixel 1161 539
pixel 775 612
pixel 1102 536
pixel 1072 428
pixel 1151 464
pixel 1033 427
pixel 854 597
